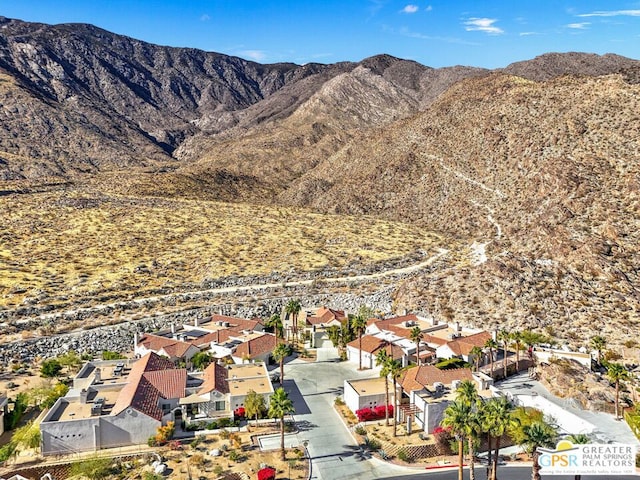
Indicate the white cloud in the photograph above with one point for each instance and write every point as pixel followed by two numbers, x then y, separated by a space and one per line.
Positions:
pixel 405 32
pixel 527 34
pixel 429 8
pixel 485 25
pixel 612 13
pixel 410 9
pixel 257 55
pixel 579 26
pixel 205 18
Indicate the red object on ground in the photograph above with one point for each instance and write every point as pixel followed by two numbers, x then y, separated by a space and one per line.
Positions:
pixel 267 473
pixel 239 412
pixel 377 413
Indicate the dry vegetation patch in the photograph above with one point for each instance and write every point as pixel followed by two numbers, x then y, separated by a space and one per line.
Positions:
pixel 60 245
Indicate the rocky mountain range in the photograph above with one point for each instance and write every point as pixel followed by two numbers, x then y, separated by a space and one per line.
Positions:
pixel 534 166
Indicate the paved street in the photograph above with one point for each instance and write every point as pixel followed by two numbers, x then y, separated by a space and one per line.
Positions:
pixel 334 453
pixel 313 387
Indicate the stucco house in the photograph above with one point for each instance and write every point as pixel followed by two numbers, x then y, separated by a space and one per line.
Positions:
pixel 399 348
pixel 115 404
pixel 426 391
pixel 366 392
pixel 461 346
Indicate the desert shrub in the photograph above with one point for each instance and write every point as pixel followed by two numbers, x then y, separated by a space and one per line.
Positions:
pixel 404 456
pixel 372 444
pixel 234 455
pixel 443 440
pixel 93 468
pixel 339 401
pixel 360 430
pixel 110 355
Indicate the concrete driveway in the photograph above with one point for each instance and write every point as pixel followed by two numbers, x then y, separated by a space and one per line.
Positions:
pixel 313 388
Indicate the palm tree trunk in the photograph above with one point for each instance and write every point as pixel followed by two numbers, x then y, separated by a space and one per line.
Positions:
pixel 494 473
pixel 282 438
pixel 617 399
pixel 504 360
pixel 281 370
pixel 395 408
pixel 360 348
pixel 418 353
pixel 535 467
pixel 386 408
pixel 472 465
pixel 491 360
pixel 460 458
pixel 489 456
pixel 517 357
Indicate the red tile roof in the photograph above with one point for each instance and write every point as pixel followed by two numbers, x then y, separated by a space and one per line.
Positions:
pixel 464 345
pixel 419 377
pixel 372 345
pixel 174 348
pixel 326 315
pixel 215 379
pixel 256 347
pixel 151 378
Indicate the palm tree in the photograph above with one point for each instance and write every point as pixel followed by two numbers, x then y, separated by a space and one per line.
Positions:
pixel 598 343
pixel 504 337
pixel 498 420
pixel 468 395
pixel 538 434
pixel 491 345
pixel 275 322
pixel 292 308
pixel 456 416
pixel 282 351
pixel 382 360
pixel 359 324
pixel 516 337
pixel 395 370
pixel 476 352
pixel 280 405
pixel 416 337
pixel 616 373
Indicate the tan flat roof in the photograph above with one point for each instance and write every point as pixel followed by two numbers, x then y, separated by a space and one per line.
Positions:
pixel 246 370
pixel 75 410
pixel 242 386
pixel 369 386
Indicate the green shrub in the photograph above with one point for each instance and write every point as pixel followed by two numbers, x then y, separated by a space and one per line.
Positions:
pixel 110 355
pixel 234 455
pixel 372 444
pixel 360 430
pixel 50 368
pixel 404 456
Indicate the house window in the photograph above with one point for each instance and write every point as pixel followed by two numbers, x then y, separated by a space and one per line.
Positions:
pixel 220 405
pixel 166 408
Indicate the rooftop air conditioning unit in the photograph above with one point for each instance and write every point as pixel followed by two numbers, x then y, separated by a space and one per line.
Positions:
pixel 455 384
pixel 439 387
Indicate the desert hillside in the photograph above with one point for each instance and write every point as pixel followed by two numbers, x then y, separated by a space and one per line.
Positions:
pixel 543 176
pixel 529 176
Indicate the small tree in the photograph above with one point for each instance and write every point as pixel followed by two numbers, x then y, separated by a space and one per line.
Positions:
pixel 254 405
pixel 50 368
pixel 201 360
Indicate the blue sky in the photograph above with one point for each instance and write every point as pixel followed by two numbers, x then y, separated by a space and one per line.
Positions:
pixel 436 33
